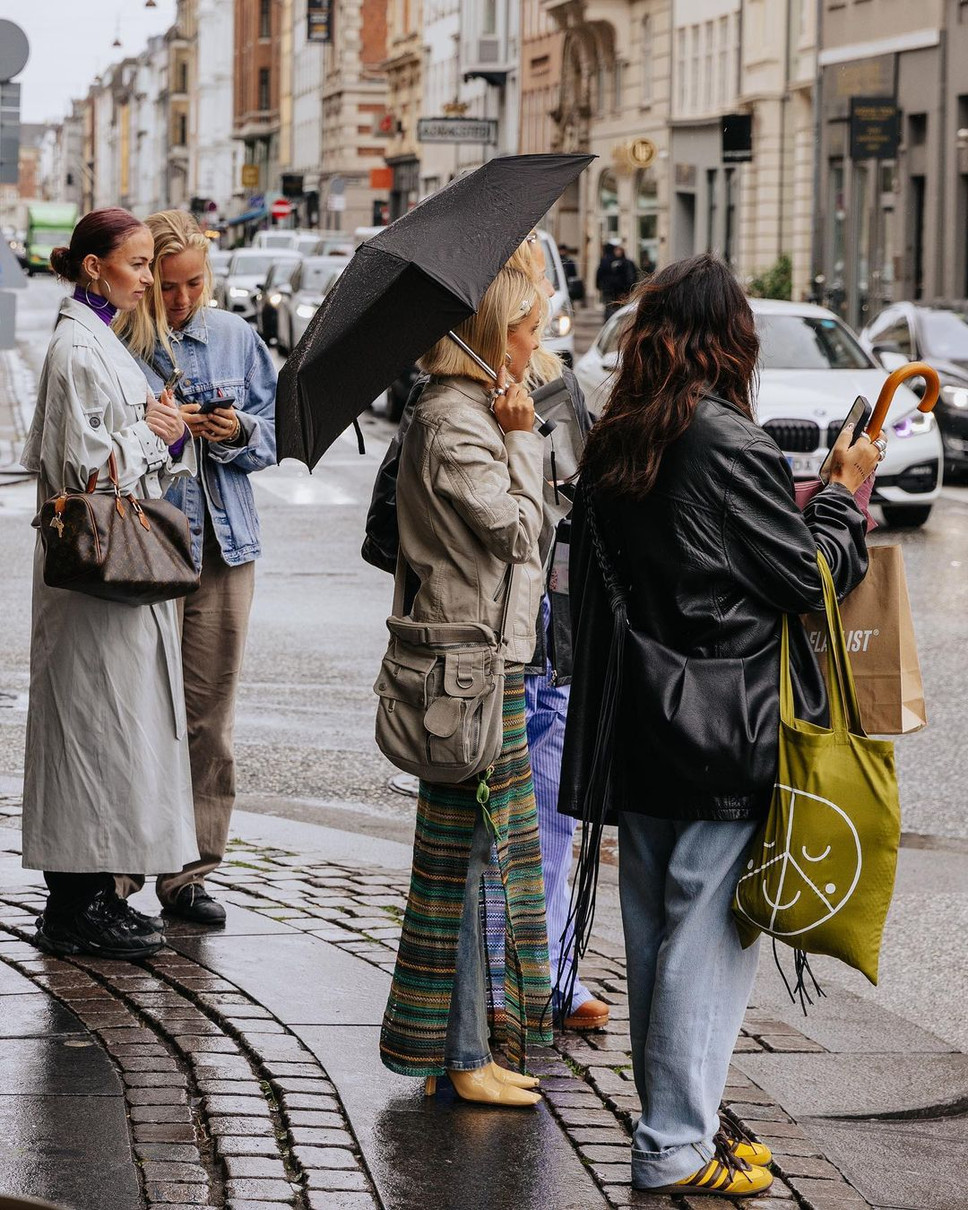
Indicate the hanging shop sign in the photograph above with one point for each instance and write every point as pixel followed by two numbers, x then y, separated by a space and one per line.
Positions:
pixel 737 138
pixel 634 153
pixel 457 130
pixel 319 21
pixel 874 126
pixel 250 176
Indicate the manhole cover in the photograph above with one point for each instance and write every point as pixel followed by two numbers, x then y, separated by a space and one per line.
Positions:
pixel 405 783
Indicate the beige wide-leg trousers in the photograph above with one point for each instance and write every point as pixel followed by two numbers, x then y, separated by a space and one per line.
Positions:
pixel 215 623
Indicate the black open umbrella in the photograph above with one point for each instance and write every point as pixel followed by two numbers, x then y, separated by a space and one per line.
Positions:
pixel 404 289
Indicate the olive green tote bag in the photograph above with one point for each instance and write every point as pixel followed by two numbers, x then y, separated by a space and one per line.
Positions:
pixel 821 870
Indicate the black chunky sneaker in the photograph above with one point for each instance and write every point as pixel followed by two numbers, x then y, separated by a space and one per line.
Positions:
pixel 148 924
pixel 103 929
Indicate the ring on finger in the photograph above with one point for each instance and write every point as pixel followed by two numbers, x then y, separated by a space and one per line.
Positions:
pixel 881 443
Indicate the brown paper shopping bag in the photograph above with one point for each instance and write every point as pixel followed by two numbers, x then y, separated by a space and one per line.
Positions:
pixel 883 650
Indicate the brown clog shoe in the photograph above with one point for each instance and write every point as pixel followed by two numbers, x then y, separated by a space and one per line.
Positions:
pixel 593 1014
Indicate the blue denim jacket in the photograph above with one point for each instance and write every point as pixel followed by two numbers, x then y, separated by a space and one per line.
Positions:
pixel 217 349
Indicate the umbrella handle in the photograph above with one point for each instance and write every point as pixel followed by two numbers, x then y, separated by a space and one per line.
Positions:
pixel 914 369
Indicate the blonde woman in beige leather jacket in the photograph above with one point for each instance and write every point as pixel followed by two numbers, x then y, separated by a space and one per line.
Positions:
pixel 469 504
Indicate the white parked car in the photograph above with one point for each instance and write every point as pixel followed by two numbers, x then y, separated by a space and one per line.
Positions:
pixel 812 367
pixel 559 333
pixel 276 237
pixel 308 286
pixel 246 275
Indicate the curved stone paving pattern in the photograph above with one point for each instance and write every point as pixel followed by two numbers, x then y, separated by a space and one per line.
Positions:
pixel 229 1108
pixel 226 1107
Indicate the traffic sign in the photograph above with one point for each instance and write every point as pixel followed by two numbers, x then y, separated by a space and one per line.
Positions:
pixel 281 208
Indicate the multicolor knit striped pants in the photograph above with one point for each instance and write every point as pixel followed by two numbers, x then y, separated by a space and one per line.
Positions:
pixel 415 1022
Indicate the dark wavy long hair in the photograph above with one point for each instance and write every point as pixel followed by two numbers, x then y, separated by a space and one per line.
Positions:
pixel 692 332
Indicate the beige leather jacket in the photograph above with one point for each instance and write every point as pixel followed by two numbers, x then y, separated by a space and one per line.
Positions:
pixel 469 502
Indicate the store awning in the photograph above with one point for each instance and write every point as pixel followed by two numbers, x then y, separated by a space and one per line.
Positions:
pixel 248 216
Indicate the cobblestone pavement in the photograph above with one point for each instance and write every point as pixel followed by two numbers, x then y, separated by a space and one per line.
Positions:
pixel 228 1108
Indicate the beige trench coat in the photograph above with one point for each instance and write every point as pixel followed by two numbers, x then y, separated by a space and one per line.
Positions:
pixel 107 783
pixel 469 502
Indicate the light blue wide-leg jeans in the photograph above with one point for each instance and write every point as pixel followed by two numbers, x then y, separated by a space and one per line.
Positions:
pixel 689 982
pixel 547 712
pixel 466 1045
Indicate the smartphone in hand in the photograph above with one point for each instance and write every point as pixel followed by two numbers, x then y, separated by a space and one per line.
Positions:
pixel 205 406
pixel 173 378
pixel 859 416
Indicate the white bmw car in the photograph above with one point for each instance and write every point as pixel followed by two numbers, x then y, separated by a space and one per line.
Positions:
pixel 811 370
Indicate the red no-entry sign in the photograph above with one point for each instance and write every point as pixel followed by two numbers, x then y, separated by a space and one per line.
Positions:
pixel 281 208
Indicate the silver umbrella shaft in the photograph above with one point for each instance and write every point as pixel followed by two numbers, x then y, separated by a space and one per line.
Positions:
pixel 544 426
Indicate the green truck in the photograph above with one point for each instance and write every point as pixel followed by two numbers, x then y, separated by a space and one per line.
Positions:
pixel 49 225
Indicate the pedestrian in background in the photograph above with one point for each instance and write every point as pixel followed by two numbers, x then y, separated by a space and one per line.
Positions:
pixel 227 369
pixel 615 279
pixel 694 505
pixel 107 785
pixel 469 510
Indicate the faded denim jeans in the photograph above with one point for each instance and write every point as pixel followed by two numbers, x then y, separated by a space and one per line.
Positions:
pixel 689 982
pixel 467 1046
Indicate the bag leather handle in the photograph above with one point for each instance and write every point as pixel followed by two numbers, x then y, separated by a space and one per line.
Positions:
pixel 112 476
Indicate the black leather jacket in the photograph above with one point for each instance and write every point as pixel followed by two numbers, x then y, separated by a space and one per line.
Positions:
pixel 714 555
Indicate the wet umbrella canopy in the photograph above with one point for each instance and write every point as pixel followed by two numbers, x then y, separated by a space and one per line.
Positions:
pixel 404 289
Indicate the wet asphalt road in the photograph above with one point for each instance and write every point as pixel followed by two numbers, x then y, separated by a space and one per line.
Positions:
pixel 305 719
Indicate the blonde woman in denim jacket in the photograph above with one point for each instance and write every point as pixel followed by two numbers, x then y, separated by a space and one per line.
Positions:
pixel 220 356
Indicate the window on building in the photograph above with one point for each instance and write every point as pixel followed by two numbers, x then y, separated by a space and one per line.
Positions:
pixel 647 208
pixel 729 233
pixel 181 130
pixel 265 18
pixel 600 83
pixel 712 207
pixel 608 206
pixel 723 49
pixel 708 65
pixel 489 17
pixel 264 88
pixel 183 76
pixel 618 83
pixel 681 71
pixel 647 59
pixel 694 69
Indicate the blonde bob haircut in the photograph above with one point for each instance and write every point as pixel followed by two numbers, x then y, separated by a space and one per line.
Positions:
pixel 507 302
pixel 173 231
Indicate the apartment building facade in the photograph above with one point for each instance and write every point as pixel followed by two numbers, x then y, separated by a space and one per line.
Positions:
pixel 256 76
pixel 892 222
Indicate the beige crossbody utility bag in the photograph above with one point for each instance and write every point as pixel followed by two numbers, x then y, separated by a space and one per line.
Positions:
pixel 441 688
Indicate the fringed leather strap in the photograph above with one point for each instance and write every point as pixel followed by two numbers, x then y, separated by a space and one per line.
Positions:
pixel 597 791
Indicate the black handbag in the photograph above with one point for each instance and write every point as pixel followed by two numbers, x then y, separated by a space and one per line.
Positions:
pixel 117 547
pixel 711 722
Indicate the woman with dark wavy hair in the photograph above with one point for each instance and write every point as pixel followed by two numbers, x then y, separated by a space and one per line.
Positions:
pixel 688 507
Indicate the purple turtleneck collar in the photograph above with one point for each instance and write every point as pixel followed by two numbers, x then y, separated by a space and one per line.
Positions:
pixel 100 306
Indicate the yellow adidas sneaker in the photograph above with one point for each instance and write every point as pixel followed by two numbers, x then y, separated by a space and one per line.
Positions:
pixel 743 1147
pixel 726 1175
